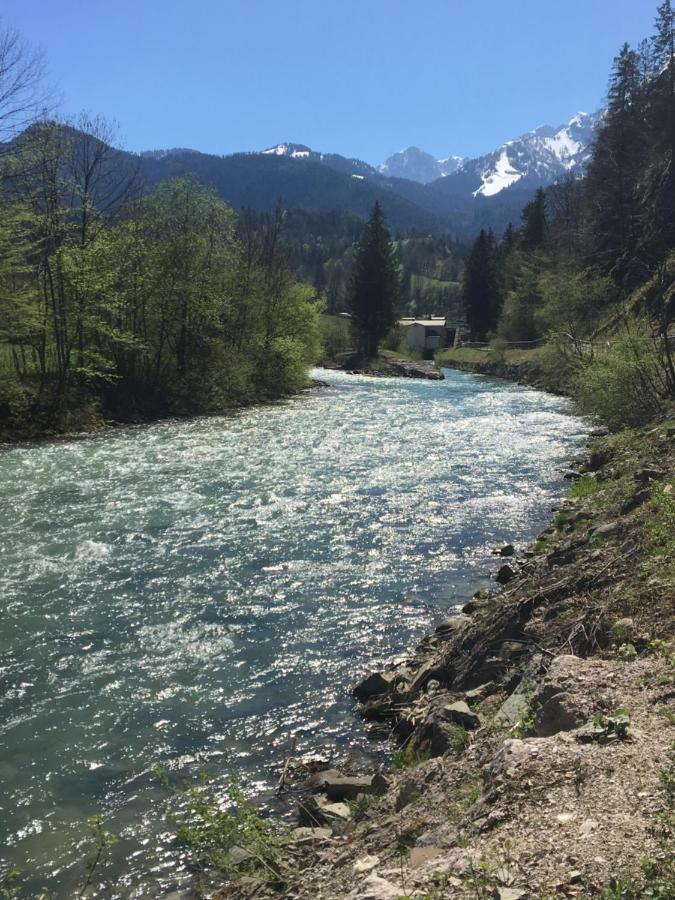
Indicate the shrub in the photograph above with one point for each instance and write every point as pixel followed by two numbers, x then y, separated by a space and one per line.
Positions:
pixel 622 383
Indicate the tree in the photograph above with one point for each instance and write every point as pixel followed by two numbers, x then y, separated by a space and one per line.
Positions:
pixel 21 78
pixel 374 288
pixel 481 289
pixel 535 223
pixel 615 173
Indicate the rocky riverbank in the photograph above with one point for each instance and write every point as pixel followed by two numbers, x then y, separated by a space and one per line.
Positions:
pixel 535 730
pixel 388 367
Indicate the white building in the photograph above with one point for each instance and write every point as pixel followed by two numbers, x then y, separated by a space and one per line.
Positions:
pixel 425 336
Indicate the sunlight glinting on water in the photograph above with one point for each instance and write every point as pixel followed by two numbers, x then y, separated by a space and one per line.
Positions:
pixel 198 593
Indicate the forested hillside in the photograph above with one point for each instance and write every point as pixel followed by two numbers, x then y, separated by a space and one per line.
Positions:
pixel 592 265
pixel 124 304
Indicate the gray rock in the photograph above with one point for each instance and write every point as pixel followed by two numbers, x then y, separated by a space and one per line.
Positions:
pixel 557 712
pixel 475 695
pixel 461 714
pixel 373 685
pixel 512 709
pixel 304 834
pixel 340 811
pixel 337 786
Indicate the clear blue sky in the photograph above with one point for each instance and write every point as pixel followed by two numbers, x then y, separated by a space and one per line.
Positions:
pixel 360 77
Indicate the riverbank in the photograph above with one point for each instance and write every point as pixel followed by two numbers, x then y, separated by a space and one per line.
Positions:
pixel 387 365
pixel 91 421
pixel 522 366
pixel 536 729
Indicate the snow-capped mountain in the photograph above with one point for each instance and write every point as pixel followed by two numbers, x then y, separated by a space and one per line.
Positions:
pixel 417 165
pixel 354 167
pixel 539 157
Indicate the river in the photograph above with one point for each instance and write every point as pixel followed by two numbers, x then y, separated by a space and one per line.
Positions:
pixel 196 594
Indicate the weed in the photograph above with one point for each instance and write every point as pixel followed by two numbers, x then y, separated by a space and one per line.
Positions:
pixel 9 887
pixel 232 840
pixel 604 728
pixel 408 757
pixel 103 841
pixel 627 653
pixel 459 737
pixel 585 487
pixel 361 806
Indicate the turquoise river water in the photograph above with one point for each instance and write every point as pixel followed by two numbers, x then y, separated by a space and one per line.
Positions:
pixel 197 594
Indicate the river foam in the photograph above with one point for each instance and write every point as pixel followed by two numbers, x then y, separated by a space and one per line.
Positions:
pixel 200 593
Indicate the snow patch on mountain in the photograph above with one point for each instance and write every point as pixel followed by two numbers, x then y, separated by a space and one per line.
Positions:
pixel 501 176
pixel 541 156
pixel 295 151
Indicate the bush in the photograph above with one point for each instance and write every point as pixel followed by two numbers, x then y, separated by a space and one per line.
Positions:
pixel 622 382
pixel 335 336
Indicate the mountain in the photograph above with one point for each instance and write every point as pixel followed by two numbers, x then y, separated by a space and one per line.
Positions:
pixel 533 160
pixel 332 160
pixel 417 165
pixel 314 182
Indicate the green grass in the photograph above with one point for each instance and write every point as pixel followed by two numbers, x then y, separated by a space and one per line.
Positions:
pixel 585 487
pixel 471 355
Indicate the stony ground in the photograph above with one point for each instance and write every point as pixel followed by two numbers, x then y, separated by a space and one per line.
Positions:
pixel 537 730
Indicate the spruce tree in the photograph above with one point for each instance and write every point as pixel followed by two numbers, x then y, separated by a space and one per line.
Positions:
pixel 373 296
pixel 535 222
pixel 481 289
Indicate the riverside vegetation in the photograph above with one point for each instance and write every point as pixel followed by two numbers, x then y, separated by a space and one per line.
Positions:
pixel 118 305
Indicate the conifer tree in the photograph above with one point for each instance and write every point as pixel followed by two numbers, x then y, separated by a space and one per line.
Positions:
pixel 481 289
pixel 535 223
pixel 374 288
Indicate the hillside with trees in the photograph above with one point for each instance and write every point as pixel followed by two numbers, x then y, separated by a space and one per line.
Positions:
pixel 118 303
pixel 590 270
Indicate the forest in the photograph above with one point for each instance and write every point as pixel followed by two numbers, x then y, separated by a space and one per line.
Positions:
pixel 590 271
pixel 119 303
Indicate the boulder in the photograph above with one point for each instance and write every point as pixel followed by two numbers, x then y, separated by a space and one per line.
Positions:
pixel 557 712
pixel 507 550
pixel 505 574
pixel 639 497
pixel 339 811
pixel 337 786
pixel 374 685
pixel 461 714
pixel 475 695
pixel 375 888
pixel 648 474
pixel 425 673
pixel 450 627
